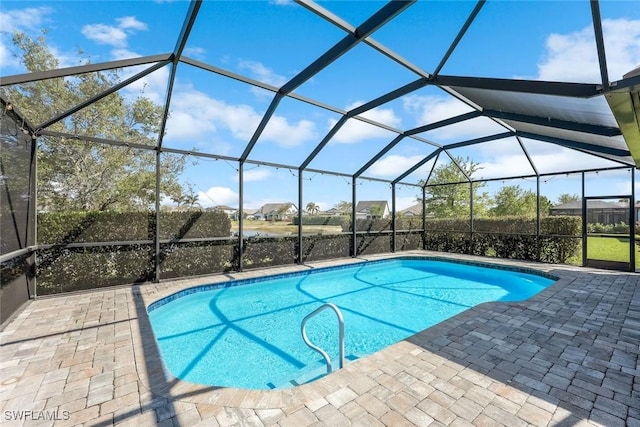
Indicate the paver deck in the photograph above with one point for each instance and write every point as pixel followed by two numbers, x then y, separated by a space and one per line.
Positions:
pixel 567 356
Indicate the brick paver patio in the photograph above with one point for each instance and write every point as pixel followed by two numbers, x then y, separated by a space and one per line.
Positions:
pixel 568 356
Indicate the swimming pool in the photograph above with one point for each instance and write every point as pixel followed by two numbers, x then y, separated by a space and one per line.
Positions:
pixel 246 333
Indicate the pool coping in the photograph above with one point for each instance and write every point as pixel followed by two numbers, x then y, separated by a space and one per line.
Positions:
pixel 160 381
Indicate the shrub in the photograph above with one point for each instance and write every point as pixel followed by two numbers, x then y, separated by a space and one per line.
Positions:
pixel 62 268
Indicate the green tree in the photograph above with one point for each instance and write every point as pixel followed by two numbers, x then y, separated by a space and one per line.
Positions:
pixel 512 200
pixel 568 198
pixel 74 174
pixel 343 207
pixel 449 201
pixel 312 208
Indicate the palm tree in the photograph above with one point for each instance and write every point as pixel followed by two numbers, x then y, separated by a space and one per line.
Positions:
pixel 312 208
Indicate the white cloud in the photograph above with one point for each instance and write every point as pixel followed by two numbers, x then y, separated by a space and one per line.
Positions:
pixel 393 165
pixel 7 59
pixel 131 23
pixel 218 196
pixel 262 73
pixel 114 35
pixel 434 108
pixel 288 135
pixel 195 115
pixel 105 34
pixel 194 52
pixel 252 175
pixel 354 131
pixel 504 166
pixel 30 18
pixel 27 19
pixel 573 56
pixel 381 115
pixel 282 2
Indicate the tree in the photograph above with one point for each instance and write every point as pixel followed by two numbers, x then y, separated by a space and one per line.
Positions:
pixel 312 208
pixel 74 174
pixel 343 207
pixel 568 198
pixel 513 200
pixel 447 201
pixel 188 198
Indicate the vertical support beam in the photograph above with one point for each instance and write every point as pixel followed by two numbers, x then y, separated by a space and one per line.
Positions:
pixel 424 217
pixel 32 289
pixel 393 217
pixel 240 215
pixel 300 260
pixel 584 225
pixel 538 217
pixel 632 223
pixel 156 237
pixel 471 226
pixel 354 251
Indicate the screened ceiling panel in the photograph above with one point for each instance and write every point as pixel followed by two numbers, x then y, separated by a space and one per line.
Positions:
pixel 433 25
pixel 529 68
pixel 213 114
pixel 551 158
pixel 466 130
pixel 348 82
pixel 400 158
pixel 421 174
pixel 501 158
pixel 272 52
pixel 616 144
pixel 352 146
pixel 579 110
pixel 295 129
pixel 34 99
pixel 529 40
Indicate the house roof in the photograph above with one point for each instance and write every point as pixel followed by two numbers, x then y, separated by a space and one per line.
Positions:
pixel 414 210
pixel 275 207
pixel 366 205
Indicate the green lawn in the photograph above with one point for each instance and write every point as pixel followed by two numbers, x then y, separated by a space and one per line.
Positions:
pixel 610 249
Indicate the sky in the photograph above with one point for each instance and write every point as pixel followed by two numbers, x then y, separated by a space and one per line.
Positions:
pixel 272 41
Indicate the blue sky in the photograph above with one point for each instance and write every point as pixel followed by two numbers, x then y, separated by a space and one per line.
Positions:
pixel 272 41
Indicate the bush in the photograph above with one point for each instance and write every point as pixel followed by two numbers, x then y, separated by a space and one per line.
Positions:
pixel 93 226
pixel 504 238
pixel 63 268
pixel 608 228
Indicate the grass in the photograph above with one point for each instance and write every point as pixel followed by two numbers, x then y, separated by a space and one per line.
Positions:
pixel 285 227
pixel 607 249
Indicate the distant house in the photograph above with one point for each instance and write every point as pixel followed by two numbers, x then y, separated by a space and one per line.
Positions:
pixel 249 213
pixel 276 212
pixel 598 211
pixel 231 212
pixel 372 209
pixel 412 211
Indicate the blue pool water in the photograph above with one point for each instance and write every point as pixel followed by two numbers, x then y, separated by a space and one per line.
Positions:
pixel 247 335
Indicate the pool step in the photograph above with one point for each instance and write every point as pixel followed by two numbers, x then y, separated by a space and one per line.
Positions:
pixel 309 373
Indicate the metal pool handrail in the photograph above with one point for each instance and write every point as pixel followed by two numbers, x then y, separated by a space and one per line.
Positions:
pixel 341 337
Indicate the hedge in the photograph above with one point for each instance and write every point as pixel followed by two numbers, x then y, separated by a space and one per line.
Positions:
pixel 63 268
pixel 559 238
pixel 94 226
